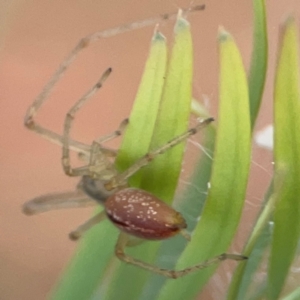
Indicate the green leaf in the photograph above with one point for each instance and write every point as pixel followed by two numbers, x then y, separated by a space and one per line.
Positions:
pixel 173 116
pixel 161 176
pixel 137 138
pixel 261 234
pixel 259 59
pixel 286 155
pixel 223 207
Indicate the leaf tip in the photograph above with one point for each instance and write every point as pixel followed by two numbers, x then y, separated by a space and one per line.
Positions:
pixel 158 36
pixel 223 35
pixel 289 20
pixel 181 23
pixel 287 24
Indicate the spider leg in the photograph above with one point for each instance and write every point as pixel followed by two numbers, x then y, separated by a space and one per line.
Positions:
pixel 134 241
pixel 67 127
pixel 185 234
pixel 122 243
pixel 29 120
pixel 121 178
pixel 56 201
pixel 97 150
pixel 58 139
pixel 113 135
pixel 108 152
pixel 76 234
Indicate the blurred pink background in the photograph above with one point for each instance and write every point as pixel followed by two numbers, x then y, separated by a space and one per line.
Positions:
pixel 34 39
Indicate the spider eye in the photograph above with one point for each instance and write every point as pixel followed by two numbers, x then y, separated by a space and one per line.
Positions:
pixel 141 214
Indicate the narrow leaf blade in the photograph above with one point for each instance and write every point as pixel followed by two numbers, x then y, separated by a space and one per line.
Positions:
pixel 225 200
pixel 173 116
pixel 286 154
pixel 172 119
pixel 259 59
pixel 137 138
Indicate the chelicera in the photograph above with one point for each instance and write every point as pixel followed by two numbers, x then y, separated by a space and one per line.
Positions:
pixel 135 212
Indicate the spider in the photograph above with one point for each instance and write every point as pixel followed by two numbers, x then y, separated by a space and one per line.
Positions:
pixel 135 212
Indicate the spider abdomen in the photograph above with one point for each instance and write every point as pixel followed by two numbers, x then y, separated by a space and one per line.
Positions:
pixel 141 214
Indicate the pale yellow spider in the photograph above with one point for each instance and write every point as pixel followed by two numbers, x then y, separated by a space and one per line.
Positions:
pixel 133 211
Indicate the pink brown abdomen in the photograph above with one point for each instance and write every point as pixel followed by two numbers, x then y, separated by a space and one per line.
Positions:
pixel 141 214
